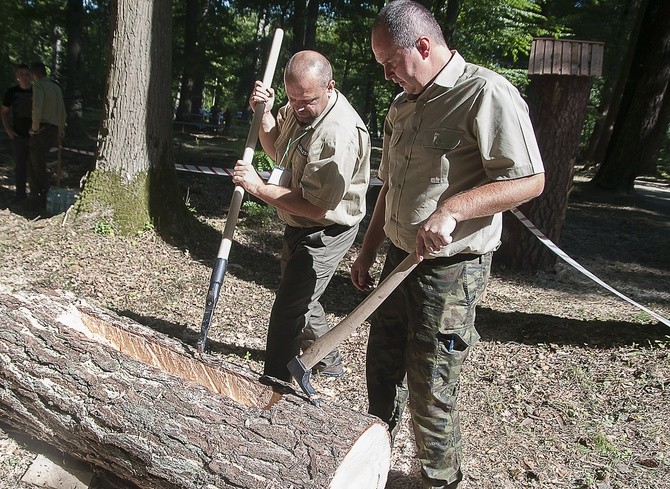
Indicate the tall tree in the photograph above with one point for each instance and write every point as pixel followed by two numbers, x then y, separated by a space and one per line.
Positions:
pixel 644 113
pixel 134 182
pixel 446 13
pixel 615 73
pixel 306 14
pixel 193 76
pixel 73 98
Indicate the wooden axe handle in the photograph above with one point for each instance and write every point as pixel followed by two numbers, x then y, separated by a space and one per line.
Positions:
pixel 342 330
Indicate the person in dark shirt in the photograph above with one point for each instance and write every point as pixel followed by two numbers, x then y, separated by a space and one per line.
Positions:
pixel 18 102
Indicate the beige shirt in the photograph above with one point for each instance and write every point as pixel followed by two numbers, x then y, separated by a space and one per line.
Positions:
pixel 329 161
pixel 469 127
pixel 48 105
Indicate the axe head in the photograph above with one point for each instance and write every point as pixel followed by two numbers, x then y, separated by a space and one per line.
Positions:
pixel 302 374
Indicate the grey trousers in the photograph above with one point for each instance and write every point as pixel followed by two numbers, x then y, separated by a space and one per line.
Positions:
pixel 309 259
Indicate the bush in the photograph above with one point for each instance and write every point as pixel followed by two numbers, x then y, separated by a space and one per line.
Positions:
pixel 262 162
pixel 257 214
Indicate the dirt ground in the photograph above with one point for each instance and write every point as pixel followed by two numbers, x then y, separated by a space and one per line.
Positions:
pixel 568 388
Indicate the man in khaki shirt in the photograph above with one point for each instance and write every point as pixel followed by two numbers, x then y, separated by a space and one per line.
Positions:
pixel 458 150
pixel 322 150
pixel 47 131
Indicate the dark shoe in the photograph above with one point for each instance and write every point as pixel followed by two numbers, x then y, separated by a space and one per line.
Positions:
pixel 336 370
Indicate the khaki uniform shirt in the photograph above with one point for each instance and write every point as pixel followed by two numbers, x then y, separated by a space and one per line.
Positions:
pixel 329 161
pixel 469 126
pixel 48 105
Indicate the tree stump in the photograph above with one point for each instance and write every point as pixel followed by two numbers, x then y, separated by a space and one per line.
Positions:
pixel 159 414
pixel 560 78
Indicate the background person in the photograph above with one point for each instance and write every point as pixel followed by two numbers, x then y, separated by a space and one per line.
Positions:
pixel 324 148
pixel 458 150
pixel 18 101
pixel 47 131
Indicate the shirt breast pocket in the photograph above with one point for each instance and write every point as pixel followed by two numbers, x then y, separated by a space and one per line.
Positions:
pixel 395 154
pixel 437 144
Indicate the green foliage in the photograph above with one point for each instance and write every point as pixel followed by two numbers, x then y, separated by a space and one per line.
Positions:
pixel 257 214
pixel 498 33
pixel 262 162
pixel 30 31
pixel 104 228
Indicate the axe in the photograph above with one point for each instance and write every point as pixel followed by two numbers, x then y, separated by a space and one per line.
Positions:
pixel 301 366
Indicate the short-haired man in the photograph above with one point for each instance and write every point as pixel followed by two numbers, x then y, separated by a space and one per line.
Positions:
pixel 47 131
pixel 458 150
pixel 18 101
pixel 322 149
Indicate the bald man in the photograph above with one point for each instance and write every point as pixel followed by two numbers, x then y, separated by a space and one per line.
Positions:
pixel 322 151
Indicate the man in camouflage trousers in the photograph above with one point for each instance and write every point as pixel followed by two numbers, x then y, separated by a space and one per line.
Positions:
pixel 458 150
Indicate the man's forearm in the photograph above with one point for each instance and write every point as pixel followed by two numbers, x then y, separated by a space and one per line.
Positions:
pixel 268 134
pixel 289 200
pixel 493 197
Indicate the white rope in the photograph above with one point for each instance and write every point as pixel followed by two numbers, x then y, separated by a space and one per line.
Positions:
pixel 564 256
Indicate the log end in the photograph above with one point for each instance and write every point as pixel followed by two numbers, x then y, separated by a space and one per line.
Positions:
pixel 368 462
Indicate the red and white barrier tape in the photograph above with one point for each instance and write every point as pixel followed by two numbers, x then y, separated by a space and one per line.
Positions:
pixel 207 170
pixel 210 170
pixel 561 254
pixel 228 172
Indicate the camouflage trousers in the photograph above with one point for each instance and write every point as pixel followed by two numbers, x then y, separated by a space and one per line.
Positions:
pixel 419 338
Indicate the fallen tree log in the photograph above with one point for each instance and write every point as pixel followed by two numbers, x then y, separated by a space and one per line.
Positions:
pixel 158 414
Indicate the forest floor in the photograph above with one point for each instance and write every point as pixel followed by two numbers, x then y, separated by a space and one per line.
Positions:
pixel 568 388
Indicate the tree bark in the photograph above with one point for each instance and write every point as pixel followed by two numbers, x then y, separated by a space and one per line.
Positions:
pixel 557 105
pixel 134 182
pixel 160 415
pixel 642 119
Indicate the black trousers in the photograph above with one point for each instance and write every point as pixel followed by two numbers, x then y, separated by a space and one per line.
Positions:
pixel 38 175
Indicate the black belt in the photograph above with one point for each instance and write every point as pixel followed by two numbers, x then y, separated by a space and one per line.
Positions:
pixel 444 261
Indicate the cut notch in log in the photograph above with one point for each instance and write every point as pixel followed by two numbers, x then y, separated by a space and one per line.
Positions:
pixel 240 389
pixel 66 378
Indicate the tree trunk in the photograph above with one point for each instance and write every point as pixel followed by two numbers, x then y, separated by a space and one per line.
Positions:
pixel 193 78
pixel 557 105
pixel 370 103
pixel 602 131
pixel 299 25
pixel 642 119
pixel 160 415
pixel 134 182
pixel 73 100
pixel 311 22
